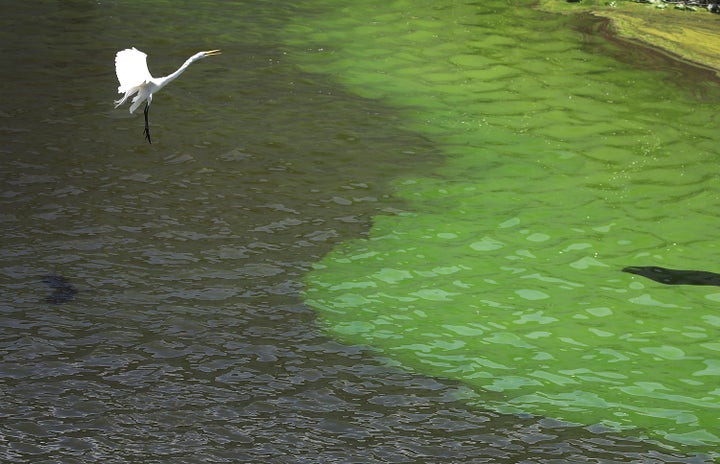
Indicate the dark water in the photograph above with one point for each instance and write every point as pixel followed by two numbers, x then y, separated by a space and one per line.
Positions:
pixel 187 340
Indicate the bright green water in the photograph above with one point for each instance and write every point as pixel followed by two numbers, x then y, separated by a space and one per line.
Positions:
pixel 562 166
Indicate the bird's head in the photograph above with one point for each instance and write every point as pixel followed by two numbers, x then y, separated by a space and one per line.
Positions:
pixel 201 55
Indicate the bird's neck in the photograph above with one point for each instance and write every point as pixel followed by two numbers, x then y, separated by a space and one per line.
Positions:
pixel 161 82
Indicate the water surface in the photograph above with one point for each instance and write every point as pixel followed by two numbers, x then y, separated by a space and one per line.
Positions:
pixel 187 339
pixel 564 165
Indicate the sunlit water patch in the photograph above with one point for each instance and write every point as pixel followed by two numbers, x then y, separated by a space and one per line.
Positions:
pixel 562 167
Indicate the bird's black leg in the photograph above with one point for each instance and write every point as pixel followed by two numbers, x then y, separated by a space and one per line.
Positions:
pixel 147 125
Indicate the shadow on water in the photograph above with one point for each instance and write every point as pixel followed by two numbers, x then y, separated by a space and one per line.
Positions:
pixel 188 342
pixel 63 290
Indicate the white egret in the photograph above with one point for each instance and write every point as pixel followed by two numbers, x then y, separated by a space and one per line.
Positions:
pixel 134 77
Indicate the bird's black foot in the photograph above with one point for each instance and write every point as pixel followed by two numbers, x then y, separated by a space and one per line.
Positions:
pixel 147 123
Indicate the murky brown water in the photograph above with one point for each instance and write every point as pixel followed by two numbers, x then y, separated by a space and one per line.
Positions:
pixel 187 340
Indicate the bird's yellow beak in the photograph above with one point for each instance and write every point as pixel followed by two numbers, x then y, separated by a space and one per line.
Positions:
pixel 212 52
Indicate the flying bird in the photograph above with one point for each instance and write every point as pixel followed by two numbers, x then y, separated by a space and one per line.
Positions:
pixel 134 77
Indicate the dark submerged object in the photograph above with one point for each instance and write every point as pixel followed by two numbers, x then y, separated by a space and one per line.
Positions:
pixel 63 290
pixel 675 276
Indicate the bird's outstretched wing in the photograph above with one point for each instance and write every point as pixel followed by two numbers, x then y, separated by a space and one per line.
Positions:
pixel 131 69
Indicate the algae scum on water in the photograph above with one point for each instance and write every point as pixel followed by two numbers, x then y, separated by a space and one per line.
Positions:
pixel 562 166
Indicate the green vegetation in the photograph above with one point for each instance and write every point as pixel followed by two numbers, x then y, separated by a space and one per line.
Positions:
pixel 689 33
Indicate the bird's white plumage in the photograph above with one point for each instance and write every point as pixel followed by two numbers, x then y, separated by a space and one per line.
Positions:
pixel 135 79
pixel 131 69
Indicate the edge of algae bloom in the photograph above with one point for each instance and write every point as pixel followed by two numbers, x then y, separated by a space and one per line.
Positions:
pixel 689 36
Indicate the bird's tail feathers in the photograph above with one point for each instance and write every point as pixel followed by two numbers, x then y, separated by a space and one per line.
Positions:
pixel 127 95
pixel 136 101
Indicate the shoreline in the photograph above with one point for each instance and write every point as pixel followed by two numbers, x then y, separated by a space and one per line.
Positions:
pixel 689 37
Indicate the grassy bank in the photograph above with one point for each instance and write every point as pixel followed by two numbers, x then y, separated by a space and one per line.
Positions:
pixel 692 36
